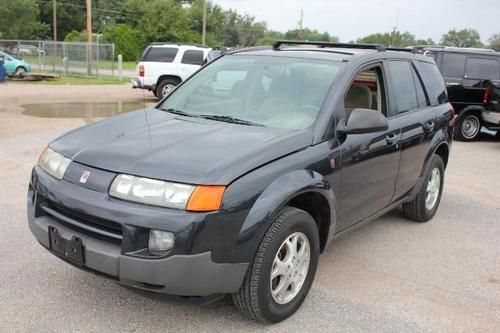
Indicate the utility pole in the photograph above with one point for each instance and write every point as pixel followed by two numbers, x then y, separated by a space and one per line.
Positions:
pixel 301 24
pixel 204 33
pixel 54 19
pixel 89 37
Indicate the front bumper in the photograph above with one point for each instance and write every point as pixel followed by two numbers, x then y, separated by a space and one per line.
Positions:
pixel 183 272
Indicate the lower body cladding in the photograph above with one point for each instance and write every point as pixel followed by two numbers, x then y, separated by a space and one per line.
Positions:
pixel 65 235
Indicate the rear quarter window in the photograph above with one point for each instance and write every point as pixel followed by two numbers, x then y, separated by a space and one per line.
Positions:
pixel 433 82
pixel 453 65
pixel 192 57
pixel 481 68
pixel 160 54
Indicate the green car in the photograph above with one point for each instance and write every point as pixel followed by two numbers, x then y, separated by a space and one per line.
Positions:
pixel 14 65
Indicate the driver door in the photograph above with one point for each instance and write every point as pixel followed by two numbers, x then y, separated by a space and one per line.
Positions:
pixel 370 161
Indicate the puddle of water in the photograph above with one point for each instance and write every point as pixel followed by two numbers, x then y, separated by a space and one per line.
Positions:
pixel 86 110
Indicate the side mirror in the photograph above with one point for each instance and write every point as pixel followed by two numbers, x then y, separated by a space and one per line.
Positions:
pixel 364 121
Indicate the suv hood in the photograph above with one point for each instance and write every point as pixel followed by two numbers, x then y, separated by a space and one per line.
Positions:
pixel 157 144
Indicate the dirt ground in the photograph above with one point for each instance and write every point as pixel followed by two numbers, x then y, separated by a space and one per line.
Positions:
pixel 390 276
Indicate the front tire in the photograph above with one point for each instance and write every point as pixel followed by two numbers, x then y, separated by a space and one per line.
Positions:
pixel 468 127
pixel 283 269
pixel 20 70
pixel 426 203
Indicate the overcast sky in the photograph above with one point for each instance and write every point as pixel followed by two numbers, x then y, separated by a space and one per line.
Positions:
pixel 350 19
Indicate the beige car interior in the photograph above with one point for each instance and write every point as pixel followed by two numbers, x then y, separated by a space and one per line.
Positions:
pixel 364 93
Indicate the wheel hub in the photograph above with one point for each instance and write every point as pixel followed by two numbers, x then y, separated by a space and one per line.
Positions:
pixel 433 188
pixel 470 127
pixel 290 267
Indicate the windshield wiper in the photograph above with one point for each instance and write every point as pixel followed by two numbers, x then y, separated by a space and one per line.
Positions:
pixel 229 119
pixel 180 112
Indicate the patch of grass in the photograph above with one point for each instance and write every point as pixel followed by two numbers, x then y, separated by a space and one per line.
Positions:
pixel 79 81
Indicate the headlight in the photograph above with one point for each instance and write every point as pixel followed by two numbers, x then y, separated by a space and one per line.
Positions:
pixel 53 163
pixel 151 192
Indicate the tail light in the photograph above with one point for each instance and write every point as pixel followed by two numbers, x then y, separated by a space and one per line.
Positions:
pixel 141 70
pixel 486 96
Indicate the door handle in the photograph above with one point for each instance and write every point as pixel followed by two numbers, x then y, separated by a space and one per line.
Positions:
pixel 429 126
pixel 392 138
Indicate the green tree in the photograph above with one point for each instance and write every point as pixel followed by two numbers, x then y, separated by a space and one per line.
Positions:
pixel 311 35
pixel 70 16
pixel 462 38
pixel 127 41
pixel 166 21
pixel 394 38
pixel 20 19
pixel 495 42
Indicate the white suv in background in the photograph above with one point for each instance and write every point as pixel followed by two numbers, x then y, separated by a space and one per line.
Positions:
pixel 164 65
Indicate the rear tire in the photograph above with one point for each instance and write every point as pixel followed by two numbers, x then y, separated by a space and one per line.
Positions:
pixel 165 87
pixel 468 127
pixel 423 207
pixel 281 274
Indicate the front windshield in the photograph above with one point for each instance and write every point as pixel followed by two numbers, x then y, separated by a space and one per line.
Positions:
pixel 256 90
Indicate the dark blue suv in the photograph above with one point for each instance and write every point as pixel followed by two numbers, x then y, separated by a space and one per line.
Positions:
pixel 236 181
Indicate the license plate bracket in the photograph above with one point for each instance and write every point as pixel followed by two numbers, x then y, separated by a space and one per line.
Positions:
pixel 70 249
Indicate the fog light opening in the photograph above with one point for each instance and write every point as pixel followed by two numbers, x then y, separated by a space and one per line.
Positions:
pixel 160 242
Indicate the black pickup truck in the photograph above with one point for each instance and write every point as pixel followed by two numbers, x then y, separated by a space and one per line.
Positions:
pixel 472 78
pixel 236 181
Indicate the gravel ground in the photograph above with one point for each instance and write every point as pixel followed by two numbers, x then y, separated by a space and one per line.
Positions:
pixel 390 276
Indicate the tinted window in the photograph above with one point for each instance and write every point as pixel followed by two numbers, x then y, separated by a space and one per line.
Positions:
pixel 403 86
pixel 434 83
pixel 421 99
pixel 480 68
pixel 160 54
pixel 192 57
pixel 453 65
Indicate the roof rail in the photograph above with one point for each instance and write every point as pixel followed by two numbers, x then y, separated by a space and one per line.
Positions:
pixel 178 44
pixel 379 47
pixel 277 44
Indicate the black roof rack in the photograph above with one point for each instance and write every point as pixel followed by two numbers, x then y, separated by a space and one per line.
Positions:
pixel 178 44
pixel 378 47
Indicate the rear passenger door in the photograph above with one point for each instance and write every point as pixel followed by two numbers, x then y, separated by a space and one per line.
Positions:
pixel 417 119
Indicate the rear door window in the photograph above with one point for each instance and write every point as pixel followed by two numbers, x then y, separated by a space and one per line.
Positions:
pixel 421 99
pixel 453 65
pixel 403 86
pixel 160 54
pixel 434 83
pixel 481 68
pixel 192 57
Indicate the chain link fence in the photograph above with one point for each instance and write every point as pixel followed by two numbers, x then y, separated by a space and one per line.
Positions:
pixel 74 58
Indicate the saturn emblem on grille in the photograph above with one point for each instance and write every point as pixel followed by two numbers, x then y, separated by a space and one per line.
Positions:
pixel 85 176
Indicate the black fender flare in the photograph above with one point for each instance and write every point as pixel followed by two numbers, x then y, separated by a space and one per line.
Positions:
pixel 471 108
pixel 276 196
pixel 437 144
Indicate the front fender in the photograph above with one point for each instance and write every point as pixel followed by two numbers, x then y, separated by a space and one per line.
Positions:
pixel 275 197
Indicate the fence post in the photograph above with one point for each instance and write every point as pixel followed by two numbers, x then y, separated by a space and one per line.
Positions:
pixel 54 55
pixel 120 67
pixel 97 57
pixel 113 61
pixel 40 50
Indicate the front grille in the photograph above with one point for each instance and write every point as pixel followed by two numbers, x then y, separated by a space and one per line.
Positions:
pixel 94 226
